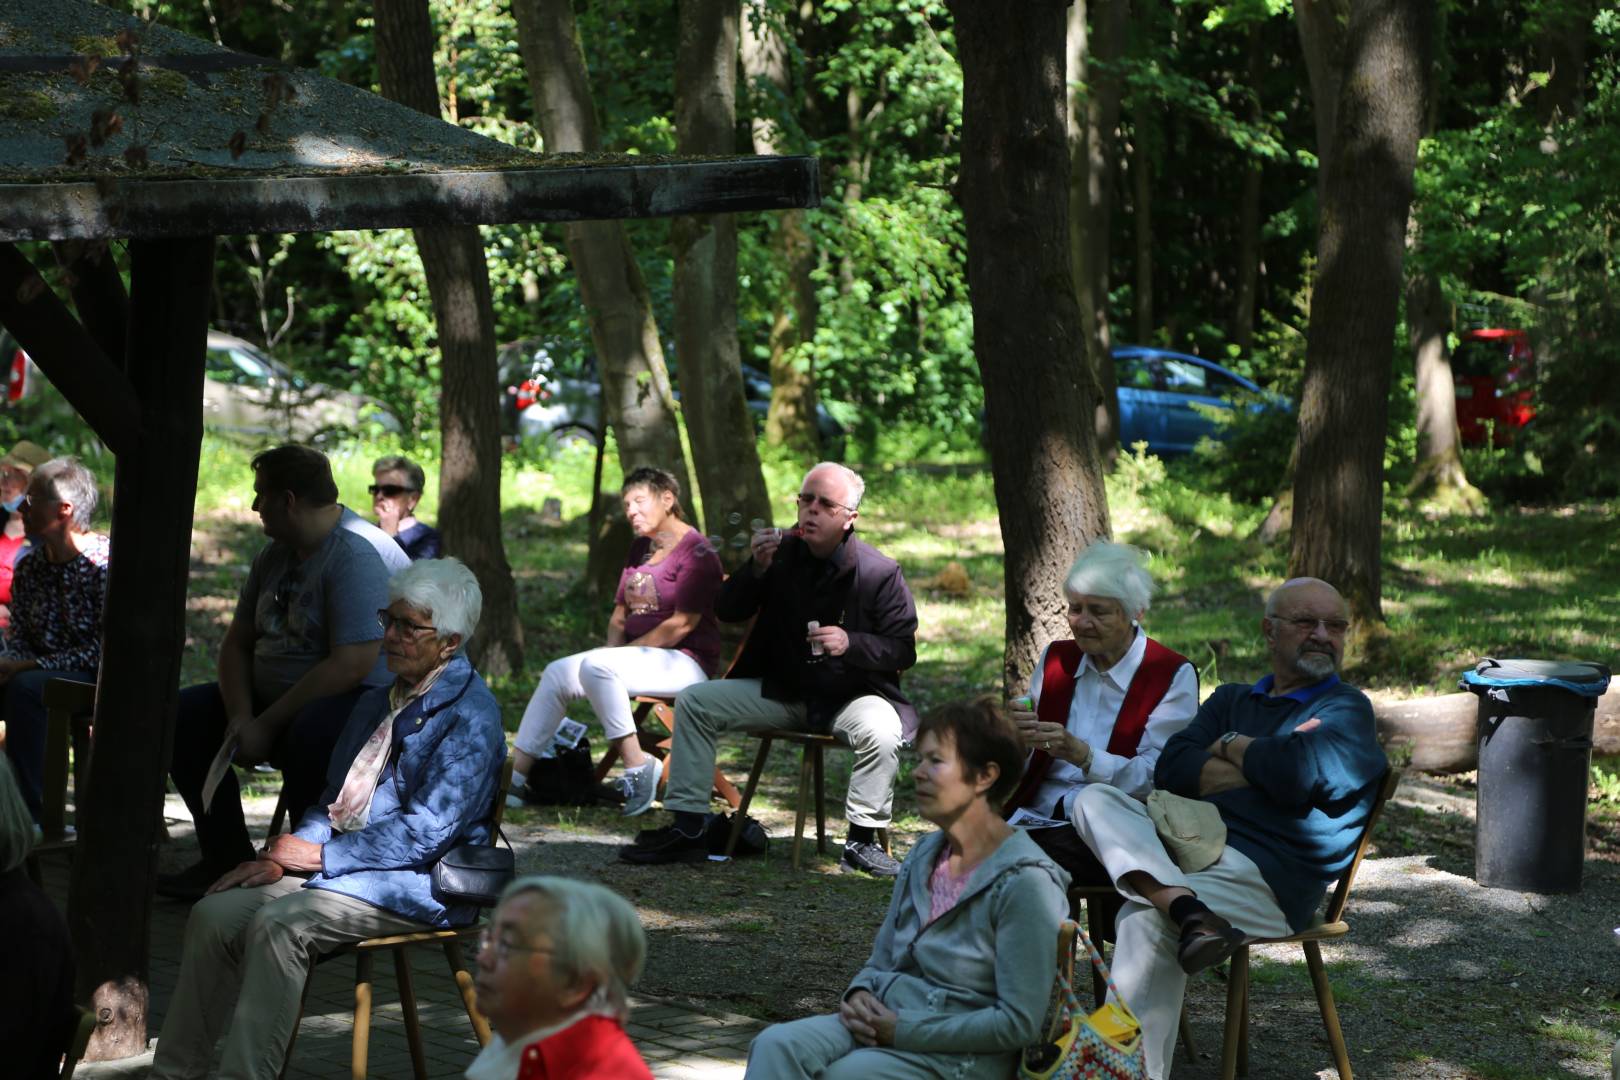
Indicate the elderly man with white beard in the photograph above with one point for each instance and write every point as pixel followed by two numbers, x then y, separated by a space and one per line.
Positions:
pixel 1292 765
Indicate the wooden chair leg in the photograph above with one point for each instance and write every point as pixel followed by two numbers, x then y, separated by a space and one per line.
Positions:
pixel 469 996
pixel 1094 928
pixel 727 790
pixel 821 798
pixel 883 839
pixel 1237 1007
pixel 407 1006
pixel 1330 1014
pixel 362 1016
pixel 748 795
pixel 1187 1036
pixel 804 795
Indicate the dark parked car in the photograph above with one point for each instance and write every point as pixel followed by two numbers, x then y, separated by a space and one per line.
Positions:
pixel 1158 392
pixel 542 398
pixel 1494 372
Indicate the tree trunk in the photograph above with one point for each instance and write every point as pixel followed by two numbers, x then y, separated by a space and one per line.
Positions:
pixel 638 400
pixel 1439 478
pixel 1026 323
pixel 1142 217
pixel 724 451
pixel 469 402
pixel 121 807
pixel 1367 192
pixel 1092 120
pixel 791 419
pixel 1323 26
pixel 1561 52
pixel 1248 254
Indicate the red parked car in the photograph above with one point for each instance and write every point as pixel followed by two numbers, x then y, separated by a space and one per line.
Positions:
pixel 1494 372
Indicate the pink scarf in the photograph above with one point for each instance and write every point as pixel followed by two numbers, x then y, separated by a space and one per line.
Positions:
pixel 353 806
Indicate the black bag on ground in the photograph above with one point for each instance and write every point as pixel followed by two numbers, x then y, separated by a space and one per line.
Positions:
pixel 567 779
pixel 753 840
pixel 474 873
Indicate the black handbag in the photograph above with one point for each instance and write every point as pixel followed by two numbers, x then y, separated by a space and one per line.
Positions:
pixel 474 873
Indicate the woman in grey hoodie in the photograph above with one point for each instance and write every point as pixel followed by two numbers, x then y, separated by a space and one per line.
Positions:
pixel 961 972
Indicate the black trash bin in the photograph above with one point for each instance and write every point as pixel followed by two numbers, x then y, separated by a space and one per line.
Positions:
pixel 1535 755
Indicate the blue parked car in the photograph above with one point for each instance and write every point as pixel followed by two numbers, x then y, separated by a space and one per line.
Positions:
pixel 1158 389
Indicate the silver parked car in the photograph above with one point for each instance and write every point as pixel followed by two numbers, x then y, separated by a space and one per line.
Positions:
pixel 246 391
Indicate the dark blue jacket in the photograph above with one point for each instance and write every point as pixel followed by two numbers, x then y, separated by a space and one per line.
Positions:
pixel 437 792
pixel 1309 793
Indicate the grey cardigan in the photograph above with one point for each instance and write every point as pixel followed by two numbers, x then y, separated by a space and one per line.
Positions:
pixel 972 987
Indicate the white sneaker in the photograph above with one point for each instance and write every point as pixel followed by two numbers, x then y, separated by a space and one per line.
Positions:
pixel 640 786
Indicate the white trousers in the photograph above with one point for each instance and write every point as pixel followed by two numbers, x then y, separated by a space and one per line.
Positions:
pixel 247 955
pixel 868 724
pixel 1117 828
pixel 608 678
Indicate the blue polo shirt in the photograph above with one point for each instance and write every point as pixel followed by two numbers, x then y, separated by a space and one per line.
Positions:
pixel 1309 792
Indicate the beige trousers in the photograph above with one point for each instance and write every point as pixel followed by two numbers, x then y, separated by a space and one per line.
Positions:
pixel 247 954
pixel 1146 971
pixel 868 724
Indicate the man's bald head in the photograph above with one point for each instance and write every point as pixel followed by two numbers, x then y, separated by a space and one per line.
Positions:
pixel 1305 626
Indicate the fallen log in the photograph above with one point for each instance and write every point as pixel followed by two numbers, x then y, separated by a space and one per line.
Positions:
pixel 1442 731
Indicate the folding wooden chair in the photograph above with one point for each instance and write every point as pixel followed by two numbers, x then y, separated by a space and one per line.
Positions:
pixel 1235 1044
pixel 811 767
pixel 397 944
pixel 69 708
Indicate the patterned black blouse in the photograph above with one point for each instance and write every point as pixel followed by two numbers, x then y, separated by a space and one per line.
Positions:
pixel 56 608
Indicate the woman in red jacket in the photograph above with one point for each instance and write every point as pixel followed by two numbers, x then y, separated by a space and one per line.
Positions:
pixel 554 972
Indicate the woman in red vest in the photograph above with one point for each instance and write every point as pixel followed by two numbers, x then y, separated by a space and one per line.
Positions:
pixel 1106 701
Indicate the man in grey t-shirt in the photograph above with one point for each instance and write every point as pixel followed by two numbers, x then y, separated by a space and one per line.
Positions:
pixel 302 646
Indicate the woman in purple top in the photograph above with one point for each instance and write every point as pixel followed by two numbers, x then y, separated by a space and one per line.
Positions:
pixel 661 638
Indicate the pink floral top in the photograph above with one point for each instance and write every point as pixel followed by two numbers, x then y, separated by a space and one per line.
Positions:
pixel 945 888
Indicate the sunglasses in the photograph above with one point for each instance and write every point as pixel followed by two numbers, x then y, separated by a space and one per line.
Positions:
pixel 392 491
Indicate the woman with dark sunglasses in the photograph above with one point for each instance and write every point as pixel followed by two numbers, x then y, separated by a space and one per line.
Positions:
pixel 396 489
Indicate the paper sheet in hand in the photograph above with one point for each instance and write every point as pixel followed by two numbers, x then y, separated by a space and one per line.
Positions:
pixel 1023 819
pixel 217 770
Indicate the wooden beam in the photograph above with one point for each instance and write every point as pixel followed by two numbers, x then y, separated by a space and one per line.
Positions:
pixel 578 187
pixel 66 352
pixel 120 812
pixel 97 291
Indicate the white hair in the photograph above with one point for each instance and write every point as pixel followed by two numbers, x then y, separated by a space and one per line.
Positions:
pixel 857 486
pixel 1112 570
pixel 445 589
pixel 594 933
pixel 16 826
pixel 67 479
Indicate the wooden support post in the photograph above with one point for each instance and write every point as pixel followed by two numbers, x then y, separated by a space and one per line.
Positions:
pixel 120 811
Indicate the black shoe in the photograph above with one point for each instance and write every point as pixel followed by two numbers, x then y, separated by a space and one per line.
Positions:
pixel 867 857
pixel 666 845
pixel 1206 940
pixel 189 884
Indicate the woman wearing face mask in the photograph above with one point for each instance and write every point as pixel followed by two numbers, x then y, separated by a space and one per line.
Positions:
pixel 397 485
pixel 15 470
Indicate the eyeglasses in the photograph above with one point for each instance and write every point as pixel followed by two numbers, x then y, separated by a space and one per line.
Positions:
pixel 504 948
pixel 402 627
pixel 1307 625
pixel 392 491
pixel 806 500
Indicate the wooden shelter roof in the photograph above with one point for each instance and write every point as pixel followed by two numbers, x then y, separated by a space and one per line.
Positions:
pixel 218 142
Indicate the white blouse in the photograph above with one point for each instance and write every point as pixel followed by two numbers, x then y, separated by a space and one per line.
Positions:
pixel 1098 696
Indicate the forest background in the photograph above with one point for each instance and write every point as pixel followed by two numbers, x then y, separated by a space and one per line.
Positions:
pixel 1195 134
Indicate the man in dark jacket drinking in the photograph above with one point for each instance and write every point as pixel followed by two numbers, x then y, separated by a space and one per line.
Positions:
pixel 835 625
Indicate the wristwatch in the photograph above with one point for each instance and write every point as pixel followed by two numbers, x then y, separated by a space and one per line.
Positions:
pixel 1227 740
